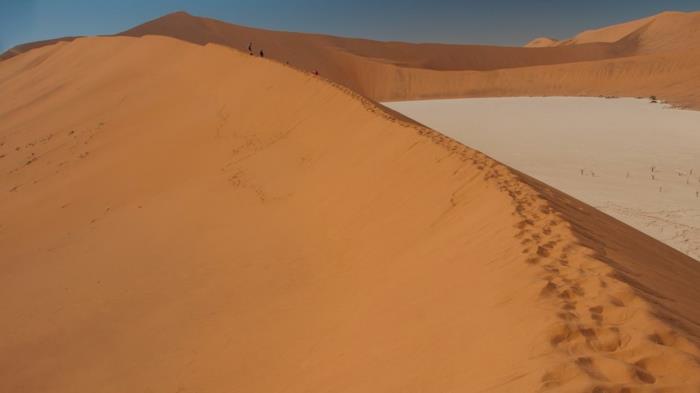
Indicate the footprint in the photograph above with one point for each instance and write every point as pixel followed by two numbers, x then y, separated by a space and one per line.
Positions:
pixel 567 316
pixel 549 289
pixel 586 364
pixel 616 302
pixel 578 290
pixel 641 373
pixel 596 313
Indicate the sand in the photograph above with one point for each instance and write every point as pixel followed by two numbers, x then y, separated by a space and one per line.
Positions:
pixel 601 151
pixel 658 55
pixel 176 217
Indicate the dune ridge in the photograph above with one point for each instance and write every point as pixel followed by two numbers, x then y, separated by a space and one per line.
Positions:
pixel 158 222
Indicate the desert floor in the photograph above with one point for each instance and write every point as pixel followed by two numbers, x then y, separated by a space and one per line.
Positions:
pixel 637 161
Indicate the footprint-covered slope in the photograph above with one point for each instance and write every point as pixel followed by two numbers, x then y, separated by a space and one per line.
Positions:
pixel 176 217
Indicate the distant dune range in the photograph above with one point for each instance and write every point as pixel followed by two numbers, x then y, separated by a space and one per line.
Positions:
pixel 659 56
pixel 161 230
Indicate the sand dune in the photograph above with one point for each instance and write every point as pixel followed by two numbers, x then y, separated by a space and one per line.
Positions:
pixel 608 34
pixel 162 230
pixel 653 56
pixel 665 32
pixel 300 48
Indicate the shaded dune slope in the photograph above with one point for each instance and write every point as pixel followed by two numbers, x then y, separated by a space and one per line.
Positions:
pixel 669 76
pixel 176 217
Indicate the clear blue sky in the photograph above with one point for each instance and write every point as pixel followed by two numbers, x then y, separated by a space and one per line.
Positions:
pixel 503 22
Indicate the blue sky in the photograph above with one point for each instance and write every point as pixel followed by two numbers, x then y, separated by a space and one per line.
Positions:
pixel 502 22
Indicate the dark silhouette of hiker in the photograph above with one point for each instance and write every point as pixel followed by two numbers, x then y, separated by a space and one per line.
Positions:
pixel 316 72
pixel 250 48
pixel 262 54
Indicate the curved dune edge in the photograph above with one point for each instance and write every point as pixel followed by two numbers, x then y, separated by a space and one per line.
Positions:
pixel 171 210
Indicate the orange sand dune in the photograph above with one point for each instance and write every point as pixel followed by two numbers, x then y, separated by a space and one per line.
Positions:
pixel 667 31
pixel 608 61
pixel 327 53
pixel 398 71
pixel 306 50
pixel 176 217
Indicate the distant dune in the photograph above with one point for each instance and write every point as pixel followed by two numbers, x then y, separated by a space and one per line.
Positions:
pixel 665 32
pixel 542 42
pixel 177 217
pixel 656 56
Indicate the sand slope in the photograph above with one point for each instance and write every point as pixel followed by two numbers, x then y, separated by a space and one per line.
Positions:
pixel 188 218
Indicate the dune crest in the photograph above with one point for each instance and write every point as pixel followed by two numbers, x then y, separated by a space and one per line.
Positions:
pixel 169 209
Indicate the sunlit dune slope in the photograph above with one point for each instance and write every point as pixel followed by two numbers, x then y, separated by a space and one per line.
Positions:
pixel 176 217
